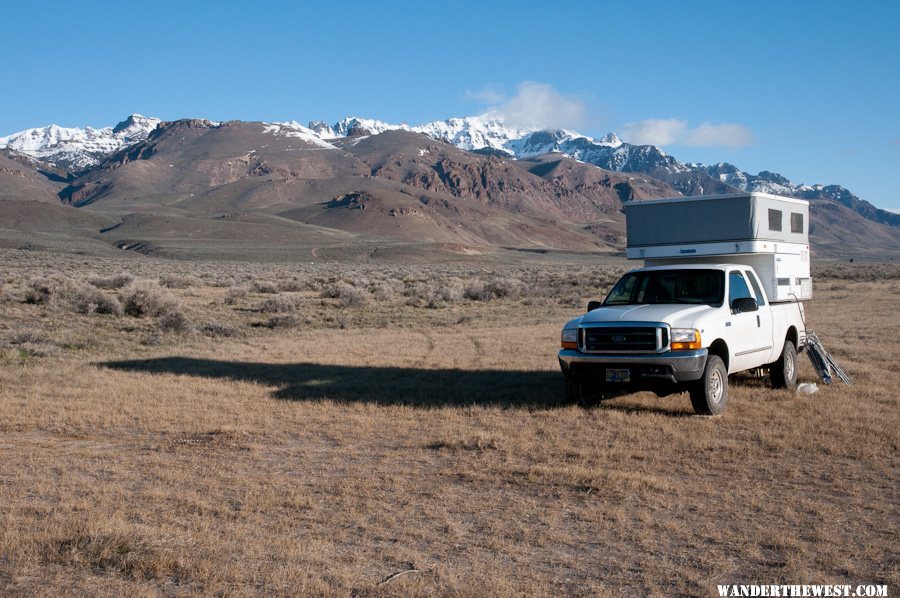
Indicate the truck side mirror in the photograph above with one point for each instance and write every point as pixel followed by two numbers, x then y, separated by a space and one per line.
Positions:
pixel 592 305
pixel 744 304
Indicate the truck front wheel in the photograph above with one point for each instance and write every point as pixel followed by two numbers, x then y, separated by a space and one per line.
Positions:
pixel 710 393
pixel 783 372
pixel 582 392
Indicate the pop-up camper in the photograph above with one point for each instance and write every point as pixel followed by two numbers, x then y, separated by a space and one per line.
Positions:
pixel 767 232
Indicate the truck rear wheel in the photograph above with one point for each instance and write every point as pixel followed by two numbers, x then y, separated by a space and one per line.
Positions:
pixel 710 393
pixel 783 373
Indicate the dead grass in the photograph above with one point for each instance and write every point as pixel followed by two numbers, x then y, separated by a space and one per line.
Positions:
pixel 367 440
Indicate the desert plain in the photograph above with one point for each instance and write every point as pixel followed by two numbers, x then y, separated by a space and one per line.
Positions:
pixel 217 427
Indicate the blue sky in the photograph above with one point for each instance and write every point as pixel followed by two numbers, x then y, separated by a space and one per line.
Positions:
pixel 807 89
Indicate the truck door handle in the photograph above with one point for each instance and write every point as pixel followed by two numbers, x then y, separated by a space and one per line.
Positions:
pixel 758 325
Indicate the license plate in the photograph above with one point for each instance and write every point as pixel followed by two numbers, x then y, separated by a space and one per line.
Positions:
pixel 618 375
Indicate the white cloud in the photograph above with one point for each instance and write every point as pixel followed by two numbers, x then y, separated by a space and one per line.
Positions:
pixel 655 131
pixel 723 135
pixel 534 104
pixel 677 131
pixel 490 95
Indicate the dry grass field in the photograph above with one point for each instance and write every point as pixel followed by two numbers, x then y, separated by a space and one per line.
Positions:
pixel 219 428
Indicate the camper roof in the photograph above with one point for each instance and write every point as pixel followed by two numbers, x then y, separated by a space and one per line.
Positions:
pixel 724 196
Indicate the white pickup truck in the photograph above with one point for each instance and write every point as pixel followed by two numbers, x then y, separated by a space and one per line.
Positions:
pixel 721 292
pixel 686 327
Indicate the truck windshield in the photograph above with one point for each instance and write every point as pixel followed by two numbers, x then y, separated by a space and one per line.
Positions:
pixel 669 286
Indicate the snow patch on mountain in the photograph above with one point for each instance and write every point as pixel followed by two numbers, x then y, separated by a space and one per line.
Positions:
pixel 489 133
pixel 475 133
pixel 353 126
pixel 472 133
pixel 764 182
pixel 294 129
pixel 79 149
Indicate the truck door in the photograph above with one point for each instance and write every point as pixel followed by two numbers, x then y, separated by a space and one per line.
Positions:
pixel 751 344
pixel 764 314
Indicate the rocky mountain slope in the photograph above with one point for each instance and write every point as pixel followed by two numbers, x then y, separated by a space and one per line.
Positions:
pixel 81 149
pixel 22 176
pixel 489 135
pixel 191 156
pixel 399 184
pixel 462 182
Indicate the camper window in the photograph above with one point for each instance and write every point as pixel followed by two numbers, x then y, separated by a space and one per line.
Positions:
pixel 774 219
pixel 796 222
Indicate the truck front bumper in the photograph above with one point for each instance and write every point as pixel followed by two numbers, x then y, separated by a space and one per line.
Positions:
pixel 670 367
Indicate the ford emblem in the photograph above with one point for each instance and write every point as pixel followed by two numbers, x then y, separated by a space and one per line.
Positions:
pixel 619 339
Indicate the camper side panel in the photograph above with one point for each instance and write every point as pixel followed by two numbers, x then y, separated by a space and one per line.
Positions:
pixel 677 222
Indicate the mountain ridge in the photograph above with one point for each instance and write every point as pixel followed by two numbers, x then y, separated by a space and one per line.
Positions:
pixel 283 185
pixel 79 150
pixel 467 183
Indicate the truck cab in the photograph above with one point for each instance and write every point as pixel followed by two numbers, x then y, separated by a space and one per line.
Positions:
pixel 687 327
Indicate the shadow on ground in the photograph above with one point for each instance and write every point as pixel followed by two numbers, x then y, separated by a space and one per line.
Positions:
pixel 417 387
pixel 379 385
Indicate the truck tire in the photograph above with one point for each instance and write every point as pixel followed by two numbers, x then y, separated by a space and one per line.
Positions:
pixel 710 393
pixel 783 373
pixel 582 393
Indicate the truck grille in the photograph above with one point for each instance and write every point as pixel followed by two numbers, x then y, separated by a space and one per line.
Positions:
pixel 624 339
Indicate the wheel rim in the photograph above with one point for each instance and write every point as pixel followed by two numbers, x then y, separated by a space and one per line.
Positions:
pixel 788 367
pixel 716 386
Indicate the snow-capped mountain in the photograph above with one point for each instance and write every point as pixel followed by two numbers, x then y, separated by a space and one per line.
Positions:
pixel 489 134
pixel 476 133
pixel 79 149
pixel 469 133
pixel 765 181
pixel 772 182
pixel 353 126
pixel 294 129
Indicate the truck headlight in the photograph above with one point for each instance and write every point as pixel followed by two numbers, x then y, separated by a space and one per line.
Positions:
pixel 569 338
pixel 685 339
